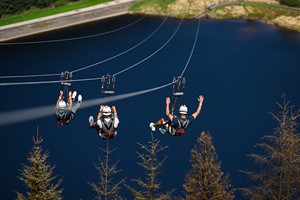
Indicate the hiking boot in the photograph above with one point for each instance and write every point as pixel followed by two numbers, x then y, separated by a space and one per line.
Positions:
pixel 74 95
pixel 162 130
pixel 91 120
pixel 79 98
pixel 152 126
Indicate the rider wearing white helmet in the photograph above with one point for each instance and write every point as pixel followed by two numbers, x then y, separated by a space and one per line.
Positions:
pixel 66 112
pixel 107 122
pixel 176 126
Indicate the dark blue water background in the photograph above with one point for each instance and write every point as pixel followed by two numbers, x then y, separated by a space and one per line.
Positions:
pixel 241 67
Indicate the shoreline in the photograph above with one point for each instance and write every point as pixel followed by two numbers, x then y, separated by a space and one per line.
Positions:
pixel 63 20
pixel 98 12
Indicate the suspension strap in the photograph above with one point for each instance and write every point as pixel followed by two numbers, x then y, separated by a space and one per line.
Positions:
pixel 108 83
pixel 178 91
pixel 66 83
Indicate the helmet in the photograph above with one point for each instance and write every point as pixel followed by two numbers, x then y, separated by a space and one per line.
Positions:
pixel 62 104
pixel 183 109
pixel 106 110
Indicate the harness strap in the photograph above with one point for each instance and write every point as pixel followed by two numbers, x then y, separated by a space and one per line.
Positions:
pixel 108 127
pixel 183 125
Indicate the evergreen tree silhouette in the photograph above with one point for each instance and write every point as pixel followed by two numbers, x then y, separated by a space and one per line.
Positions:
pixel 106 188
pixel 279 173
pixel 38 176
pixel 206 180
pixel 149 186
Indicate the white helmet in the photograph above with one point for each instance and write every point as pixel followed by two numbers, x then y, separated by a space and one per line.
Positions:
pixel 183 109
pixel 62 104
pixel 106 110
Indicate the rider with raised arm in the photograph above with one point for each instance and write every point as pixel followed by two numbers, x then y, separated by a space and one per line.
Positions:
pixel 107 122
pixel 65 112
pixel 176 126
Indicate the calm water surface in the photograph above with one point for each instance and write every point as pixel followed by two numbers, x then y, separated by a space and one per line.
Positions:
pixel 241 67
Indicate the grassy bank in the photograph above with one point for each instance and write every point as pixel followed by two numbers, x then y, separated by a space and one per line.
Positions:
pixel 161 7
pixel 34 14
pixel 253 10
pixel 268 13
pixel 156 5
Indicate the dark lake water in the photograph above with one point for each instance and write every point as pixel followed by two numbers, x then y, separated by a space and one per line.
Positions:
pixel 241 67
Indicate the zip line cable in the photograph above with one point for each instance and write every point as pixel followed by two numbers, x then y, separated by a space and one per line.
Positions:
pixel 29 76
pixel 48 82
pixel 115 56
pixel 92 65
pixel 155 52
pixel 193 48
pixel 17 116
pixel 72 39
pixel 80 80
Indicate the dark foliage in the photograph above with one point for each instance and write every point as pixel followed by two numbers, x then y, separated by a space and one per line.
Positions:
pixel 12 7
pixel 38 177
pixel 279 174
pixel 291 3
pixel 206 180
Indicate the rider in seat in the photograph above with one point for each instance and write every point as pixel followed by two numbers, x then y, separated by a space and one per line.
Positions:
pixel 176 126
pixel 65 112
pixel 107 122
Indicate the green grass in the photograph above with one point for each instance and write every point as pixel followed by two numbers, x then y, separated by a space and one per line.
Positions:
pixel 163 4
pixel 263 11
pixel 34 14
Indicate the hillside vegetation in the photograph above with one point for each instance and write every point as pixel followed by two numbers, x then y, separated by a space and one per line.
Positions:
pixel 269 11
pixel 14 11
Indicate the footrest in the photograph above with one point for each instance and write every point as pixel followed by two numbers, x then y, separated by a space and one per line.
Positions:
pixel 178 94
pixel 108 92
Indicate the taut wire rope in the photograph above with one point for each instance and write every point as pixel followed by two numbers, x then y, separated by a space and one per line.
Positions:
pixel 47 82
pixel 155 52
pixel 16 116
pixel 193 48
pixel 89 79
pixel 29 76
pixel 92 65
pixel 115 56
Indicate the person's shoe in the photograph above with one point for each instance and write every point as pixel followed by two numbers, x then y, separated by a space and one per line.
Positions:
pixel 91 120
pixel 74 95
pixel 162 130
pixel 152 126
pixel 79 98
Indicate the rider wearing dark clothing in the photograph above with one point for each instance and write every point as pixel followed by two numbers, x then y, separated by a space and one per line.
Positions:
pixel 64 112
pixel 176 126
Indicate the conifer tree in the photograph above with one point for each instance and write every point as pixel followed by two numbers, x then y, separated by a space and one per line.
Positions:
pixel 38 176
pixel 206 180
pixel 279 173
pixel 149 186
pixel 106 188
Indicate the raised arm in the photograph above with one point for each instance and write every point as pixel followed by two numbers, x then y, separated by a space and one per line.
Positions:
pixel 114 110
pixel 200 99
pixel 70 100
pixel 59 98
pixel 100 112
pixel 169 115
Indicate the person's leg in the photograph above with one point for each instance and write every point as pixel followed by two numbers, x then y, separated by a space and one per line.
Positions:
pixel 170 129
pixel 159 122
pixel 74 109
